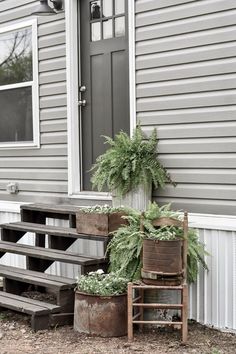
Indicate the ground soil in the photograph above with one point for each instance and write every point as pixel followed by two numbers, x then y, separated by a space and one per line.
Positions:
pixel 16 337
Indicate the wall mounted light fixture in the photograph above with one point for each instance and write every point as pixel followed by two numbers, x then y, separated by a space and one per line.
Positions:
pixel 44 9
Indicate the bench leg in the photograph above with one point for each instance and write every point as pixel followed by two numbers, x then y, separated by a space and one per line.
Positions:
pixel 40 322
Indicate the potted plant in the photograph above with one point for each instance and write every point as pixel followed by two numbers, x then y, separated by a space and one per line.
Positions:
pixel 130 165
pixel 101 304
pixel 100 220
pixel 126 246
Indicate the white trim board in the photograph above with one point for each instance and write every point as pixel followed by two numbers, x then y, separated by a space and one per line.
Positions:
pixel 73 117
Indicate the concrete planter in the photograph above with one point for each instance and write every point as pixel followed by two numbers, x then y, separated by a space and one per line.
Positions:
pixel 104 316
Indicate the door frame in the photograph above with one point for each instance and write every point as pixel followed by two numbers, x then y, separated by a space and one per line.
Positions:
pixel 73 114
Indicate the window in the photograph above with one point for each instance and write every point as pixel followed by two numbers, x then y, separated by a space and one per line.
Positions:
pixel 19 85
pixel 107 19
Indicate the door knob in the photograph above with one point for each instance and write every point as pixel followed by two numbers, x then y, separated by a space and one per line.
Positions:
pixel 82 103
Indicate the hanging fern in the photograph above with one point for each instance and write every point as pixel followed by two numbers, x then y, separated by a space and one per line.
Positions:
pixel 128 163
pixel 126 245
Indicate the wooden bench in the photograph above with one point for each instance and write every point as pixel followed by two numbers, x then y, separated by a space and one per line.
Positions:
pixel 39 311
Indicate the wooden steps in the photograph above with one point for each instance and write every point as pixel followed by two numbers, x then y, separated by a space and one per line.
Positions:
pixel 39 258
pixel 37 278
pixel 49 230
pixel 39 311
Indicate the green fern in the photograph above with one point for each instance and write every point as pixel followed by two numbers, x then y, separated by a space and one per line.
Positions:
pixel 125 247
pixel 129 162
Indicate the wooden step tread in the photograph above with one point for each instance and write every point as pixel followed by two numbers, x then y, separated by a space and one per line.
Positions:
pixel 48 253
pixel 49 230
pixel 51 208
pixel 26 305
pixel 37 278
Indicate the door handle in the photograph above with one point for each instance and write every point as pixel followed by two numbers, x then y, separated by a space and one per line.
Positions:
pixel 82 103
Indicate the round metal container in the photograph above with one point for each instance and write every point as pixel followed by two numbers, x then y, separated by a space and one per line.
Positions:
pixel 104 316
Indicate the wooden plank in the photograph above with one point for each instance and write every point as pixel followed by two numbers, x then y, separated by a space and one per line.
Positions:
pixel 55 255
pixel 159 306
pixel 37 278
pixel 164 323
pixel 26 305
pixel 61 319
pixel 51 208
pixel 157 287
pixel 50 230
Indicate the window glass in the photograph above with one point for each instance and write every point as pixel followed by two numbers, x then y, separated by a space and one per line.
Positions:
pixel 120 26
pixel 107 29
pixel 95 10
pixel 15 57
pixel 95 31
pixel 107 8
pixel 119 7
pixel 16 115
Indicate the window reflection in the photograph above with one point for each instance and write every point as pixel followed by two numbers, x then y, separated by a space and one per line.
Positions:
pixel 95 10
pixel 15 57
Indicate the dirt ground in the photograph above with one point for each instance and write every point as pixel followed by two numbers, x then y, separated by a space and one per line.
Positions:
pixel 17 337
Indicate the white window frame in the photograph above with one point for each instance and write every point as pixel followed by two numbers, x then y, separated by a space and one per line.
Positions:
pixel 33 84
pixel 72 69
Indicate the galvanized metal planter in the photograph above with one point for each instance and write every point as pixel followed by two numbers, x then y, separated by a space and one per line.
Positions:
pixel 104 316
pixel 137 199
pixel 97 223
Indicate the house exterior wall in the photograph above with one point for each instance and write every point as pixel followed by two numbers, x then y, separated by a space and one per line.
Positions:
pixel 41 173
pixel 185 87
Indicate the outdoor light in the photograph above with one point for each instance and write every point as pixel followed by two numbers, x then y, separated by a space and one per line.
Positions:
pixel 44 9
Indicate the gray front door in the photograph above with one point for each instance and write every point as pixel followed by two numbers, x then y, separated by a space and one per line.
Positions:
pixel 104 77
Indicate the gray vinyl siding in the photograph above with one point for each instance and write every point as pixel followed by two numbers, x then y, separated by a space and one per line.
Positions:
pixel 41 173
pixel 186 88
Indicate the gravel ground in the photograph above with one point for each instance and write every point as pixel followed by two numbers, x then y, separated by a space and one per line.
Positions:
pixel 17 337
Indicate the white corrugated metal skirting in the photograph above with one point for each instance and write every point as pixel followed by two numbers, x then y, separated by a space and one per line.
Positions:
pixel 213 297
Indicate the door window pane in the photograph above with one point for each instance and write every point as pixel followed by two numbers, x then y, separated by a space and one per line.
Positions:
pixel 16 115
pixel 107 29
pixel 107 8
pixel 16 57
pixel 95 31
pixel 120 26
pixel 119 7
pixel 95 10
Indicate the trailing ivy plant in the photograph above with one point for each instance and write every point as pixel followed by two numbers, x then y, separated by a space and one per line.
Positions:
pixel 128 163
pixel 125 247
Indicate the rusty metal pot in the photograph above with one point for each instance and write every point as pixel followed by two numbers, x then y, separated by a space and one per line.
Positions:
pixel 104 316
pixel 162 257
